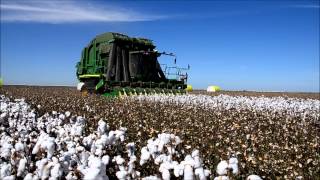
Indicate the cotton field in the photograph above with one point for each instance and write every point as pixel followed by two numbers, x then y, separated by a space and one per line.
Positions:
pixel 54 133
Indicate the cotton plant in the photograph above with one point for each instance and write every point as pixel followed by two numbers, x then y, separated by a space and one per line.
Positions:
pixel 162 149
pixel 274 104
pixel 56 144
pixel 60 148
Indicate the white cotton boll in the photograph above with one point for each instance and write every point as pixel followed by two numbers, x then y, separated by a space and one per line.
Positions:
pixel 6 150
pixel 151 178
pixel 222 168
pixel 36 147
pixel 165 174
pixel 67 113
pixel 80 120
pixel 79 149
pixel 197 160
pixel 200 173
pixel 145 155
pixel 188 172
pixel 207 172
pixel 28 177
pixel 76 130
pixel 120 135
pixel 98 152
pixel 21 167
pixel 56 171
pixel 49 145
pixel 233 164
pixel 5 170
pixel 221 178
pixel 164 169
pixel 84 157
pixel 188 164
pixel 119 160
pixel 254 177
pixel 12 177
pixel 46 171
pixel 131 166
pixel 94 162
pixel 40 164
pixel 88 140
pixel 160 159
pixel 112 137
pixel 160 146
pixel 92 173
pixel 105 159
pixel 195 153
pixel 121 175
pixel 3 115
pixel 105 140
pixel 102 127
pixel 71 177
pixel 62 116
pixel 178 170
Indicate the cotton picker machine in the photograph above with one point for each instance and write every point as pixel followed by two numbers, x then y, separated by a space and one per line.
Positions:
pixel 114 64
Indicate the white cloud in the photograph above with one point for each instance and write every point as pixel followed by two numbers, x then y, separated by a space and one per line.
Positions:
pixel 68 12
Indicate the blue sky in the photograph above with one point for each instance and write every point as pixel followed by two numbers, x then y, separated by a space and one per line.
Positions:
pixel 238 45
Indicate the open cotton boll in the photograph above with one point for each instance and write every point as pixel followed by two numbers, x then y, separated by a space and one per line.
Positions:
pixel 103 127
pixel 37 146
pixel 50 146
pixel 21 167
pixel 221 178
pixel 120 133
pixel 105 159
pixel 200 172
pixel 62 116
pixel 233 164
pixel 119 160
pixel 254 177
pixel 92 173
pixel 6 150
pixel 164 169
pixel 151 178
pixel 46 170
pixel 188 164
pixel 178 169
pixel 112 137
pixel 145 155
pixel 29 176
pixel 121 175
pixel 12 177
pixel 5 170
pixel 222 168
pixel 67 113
pixel 56 171
pixel 207 172
pixel 197 160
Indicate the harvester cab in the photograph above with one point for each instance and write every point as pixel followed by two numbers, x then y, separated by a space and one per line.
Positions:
pixel 115 64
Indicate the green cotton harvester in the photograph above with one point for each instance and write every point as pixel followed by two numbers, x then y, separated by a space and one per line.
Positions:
pixel 114 64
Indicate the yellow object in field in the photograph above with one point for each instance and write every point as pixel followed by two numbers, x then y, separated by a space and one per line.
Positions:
pixel 213 89
pixel 189 88
pixel 1 82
